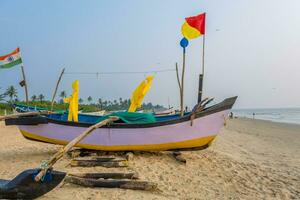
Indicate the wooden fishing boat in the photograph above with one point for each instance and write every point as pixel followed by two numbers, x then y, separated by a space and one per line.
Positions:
pixel 20 108
pixel 193 130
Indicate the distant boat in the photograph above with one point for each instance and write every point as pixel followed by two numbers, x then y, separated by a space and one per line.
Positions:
pixel 96 113
pixel 24 108
pixel 193 130
pixel 169 111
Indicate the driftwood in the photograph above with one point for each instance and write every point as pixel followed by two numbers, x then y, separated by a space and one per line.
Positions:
pixel 44 112
pixel 131 175
pixel 112 183
pixel 71 144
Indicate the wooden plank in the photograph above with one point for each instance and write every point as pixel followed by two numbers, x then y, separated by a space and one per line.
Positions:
pixel 112 183
pixel 100 159
pixel 71 144
pixel 93 163
pixel 131 175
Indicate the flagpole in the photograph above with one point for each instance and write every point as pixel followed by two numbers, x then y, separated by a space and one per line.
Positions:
pixel 201 76
pixel 25 86
pixel 56 87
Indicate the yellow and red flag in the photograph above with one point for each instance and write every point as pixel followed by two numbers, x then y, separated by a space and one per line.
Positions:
pixel 193 27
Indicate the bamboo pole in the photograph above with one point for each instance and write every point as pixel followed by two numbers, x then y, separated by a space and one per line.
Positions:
pixel 179 85
pixel 25 86
pixel 182 84
pixel 201 76
pixel 44 112
pixel 178 80
pixel 71 144
pixel 56 87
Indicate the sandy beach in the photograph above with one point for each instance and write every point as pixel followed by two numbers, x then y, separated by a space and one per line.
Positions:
pixel 250 159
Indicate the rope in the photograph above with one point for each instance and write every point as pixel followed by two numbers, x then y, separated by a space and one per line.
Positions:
pixel 44 166
pixel 120 72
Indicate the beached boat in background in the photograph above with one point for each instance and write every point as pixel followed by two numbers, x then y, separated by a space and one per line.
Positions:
pixel 168 132
pixel 96 113
pixel 24 108
pixel 21 108
pixel 169 111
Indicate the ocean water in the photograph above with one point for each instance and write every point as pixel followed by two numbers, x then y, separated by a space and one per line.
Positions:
pixel 285 115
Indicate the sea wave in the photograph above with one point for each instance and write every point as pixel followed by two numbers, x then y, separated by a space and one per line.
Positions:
pixel 285 115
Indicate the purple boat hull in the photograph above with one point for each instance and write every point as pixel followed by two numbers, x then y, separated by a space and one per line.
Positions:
pixel 176 134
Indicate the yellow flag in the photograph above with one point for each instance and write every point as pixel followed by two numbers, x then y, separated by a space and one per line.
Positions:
pixel 73 102
pixel 139 94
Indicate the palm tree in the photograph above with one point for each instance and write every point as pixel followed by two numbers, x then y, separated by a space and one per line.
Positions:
pixel 11 92
pixel 34 98
pixel 90 99
pixel 41 97
pixel 62 95
pixel 105 104
pixel 125 102
pixel 100 103
pixel 80 101
pixel 115 102
pixel 2 96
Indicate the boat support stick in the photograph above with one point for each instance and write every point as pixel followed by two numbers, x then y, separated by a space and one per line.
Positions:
pixel 56 87
pixel 25 86
pixel 71 144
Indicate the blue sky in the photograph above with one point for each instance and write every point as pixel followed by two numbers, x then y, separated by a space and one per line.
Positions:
pixel 251 48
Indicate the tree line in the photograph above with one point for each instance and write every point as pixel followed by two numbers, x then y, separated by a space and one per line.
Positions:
pixel 11 96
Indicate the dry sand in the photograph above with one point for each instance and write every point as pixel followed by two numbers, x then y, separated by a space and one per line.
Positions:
pixel 250 159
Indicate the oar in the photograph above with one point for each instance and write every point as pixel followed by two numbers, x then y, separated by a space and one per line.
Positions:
pixel 44 112
pixel 71 144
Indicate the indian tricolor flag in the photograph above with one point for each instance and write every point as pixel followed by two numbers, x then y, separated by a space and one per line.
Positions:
pixel 10 60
